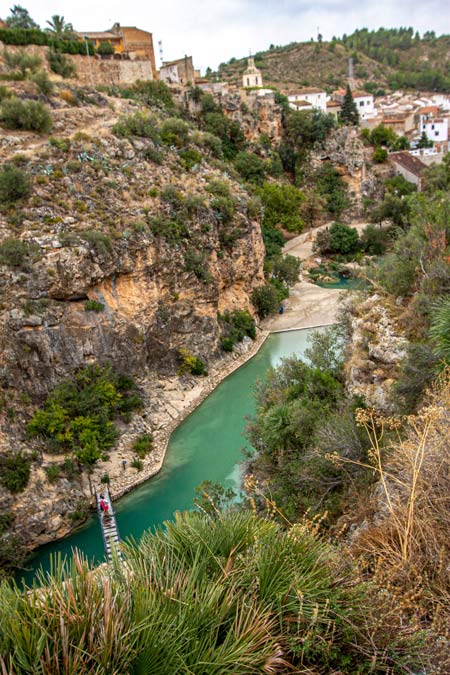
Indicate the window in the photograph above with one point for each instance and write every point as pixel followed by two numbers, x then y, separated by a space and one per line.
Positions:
pixel 361 103
pixel 436 133
pixel 256 80
pixel 248 81
pixel 432 126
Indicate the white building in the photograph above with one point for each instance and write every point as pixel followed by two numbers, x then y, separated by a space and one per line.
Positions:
pixel 433 125
pixel 364 102
pixel 252 75
pixel 316 98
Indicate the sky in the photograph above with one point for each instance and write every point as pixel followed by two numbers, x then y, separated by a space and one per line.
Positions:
pixel 213 31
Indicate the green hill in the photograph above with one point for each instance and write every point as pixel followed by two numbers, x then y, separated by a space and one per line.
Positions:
pixel 383 59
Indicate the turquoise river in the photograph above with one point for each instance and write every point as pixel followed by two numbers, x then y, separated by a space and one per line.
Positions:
pixel 206 446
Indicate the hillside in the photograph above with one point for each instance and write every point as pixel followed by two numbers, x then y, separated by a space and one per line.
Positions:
pixel 378 60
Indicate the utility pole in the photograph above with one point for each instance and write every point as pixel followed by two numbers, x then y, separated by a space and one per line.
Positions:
pixel 89 61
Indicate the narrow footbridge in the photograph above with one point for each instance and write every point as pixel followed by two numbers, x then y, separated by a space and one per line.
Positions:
pixel 108 524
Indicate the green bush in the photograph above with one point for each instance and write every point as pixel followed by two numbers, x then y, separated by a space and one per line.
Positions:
pixel 105 49
pixel 250 167
pixel 78 415
pixel 53 472
pixel 155 92
pixel 380 155
pixel 138 124
pixel 15 184
pixel 15 471
pixel 153 155
pixel 265 299
pixel 338 238
pixel 42 82
pixel 100 241
pixel 286 269
pixel 93 306
pixel 22 62
pixel 236 325
pixel 218 188
pixel 224 209
pixel 333 188
pixel 143 445
pixel 170 230
pixel 190 158
pixel 61 64
pixel 195 262
pixel 374 240
pixel 14 252
pixel 175 132
pixel 25 115
pixel 137 464
pixel 190 363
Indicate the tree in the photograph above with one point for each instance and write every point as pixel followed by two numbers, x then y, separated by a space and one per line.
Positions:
pixel 313 208
pixel 59 27
pixel 349 111
pixel 339 238
pixel 424 141
pixel 250 166
pixel 20 18
pixel 281 204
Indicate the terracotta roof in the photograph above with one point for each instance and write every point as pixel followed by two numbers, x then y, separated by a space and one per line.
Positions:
pixel 355 94
pixel 408 162
pixel 333 104
pixel 308 90
pixel 429 109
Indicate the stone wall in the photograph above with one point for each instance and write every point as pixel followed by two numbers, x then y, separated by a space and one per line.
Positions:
pixel 104 71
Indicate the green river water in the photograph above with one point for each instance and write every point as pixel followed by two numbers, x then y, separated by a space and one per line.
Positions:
pixel 206 446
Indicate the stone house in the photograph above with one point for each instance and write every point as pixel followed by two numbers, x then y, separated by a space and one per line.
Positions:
pixel 316 98
pixel 408 166
pixel 128 42
pixel 251 76
pixel 180 71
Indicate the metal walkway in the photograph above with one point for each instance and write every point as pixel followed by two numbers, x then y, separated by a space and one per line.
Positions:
pixel 110 533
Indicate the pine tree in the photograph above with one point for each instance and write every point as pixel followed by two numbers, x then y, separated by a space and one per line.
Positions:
pixel 20 18
pixel 349 111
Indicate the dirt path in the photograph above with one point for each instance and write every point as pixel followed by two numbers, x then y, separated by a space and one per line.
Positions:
pixel 308 305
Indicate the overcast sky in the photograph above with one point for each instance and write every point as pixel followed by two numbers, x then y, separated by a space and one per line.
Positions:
pixel 213 31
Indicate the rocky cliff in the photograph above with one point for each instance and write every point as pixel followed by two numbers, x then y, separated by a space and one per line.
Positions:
pixel 123 253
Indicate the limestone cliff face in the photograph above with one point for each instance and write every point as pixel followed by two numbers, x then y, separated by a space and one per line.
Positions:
pixel 376 350
pixel 256 114
pixel 150 243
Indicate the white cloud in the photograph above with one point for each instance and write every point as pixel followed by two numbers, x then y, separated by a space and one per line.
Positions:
pixel 215 31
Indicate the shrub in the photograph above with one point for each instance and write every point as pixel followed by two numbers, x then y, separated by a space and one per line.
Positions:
pixel 93 306
pixel 379 155
pixel 338 238
pixel 15 471
pixel 250 167
pixel 440 328
pixel 190 158
pixel 62 144
pixel 98 240
pixel 153 155
pixel 105 479
pixel 143 445
pixel 224 209
pixel 105 49
pixel 42 82
pixel 171 230
pixel 14 252
pixel 139 124
pixel 175 132
pixel 195 262
pixel 4 93
pixel 137 464
pixel 22 62
pixel 25 115
pixel 265 299
pixel 374 240
pixel 15 184
pixel 332 187
pixel 237 324
pixel 286 269
pixel 155 92
pixel 218 188
pixel 190 363
pixel 53 472
pixel 61 64
pixel 208 141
